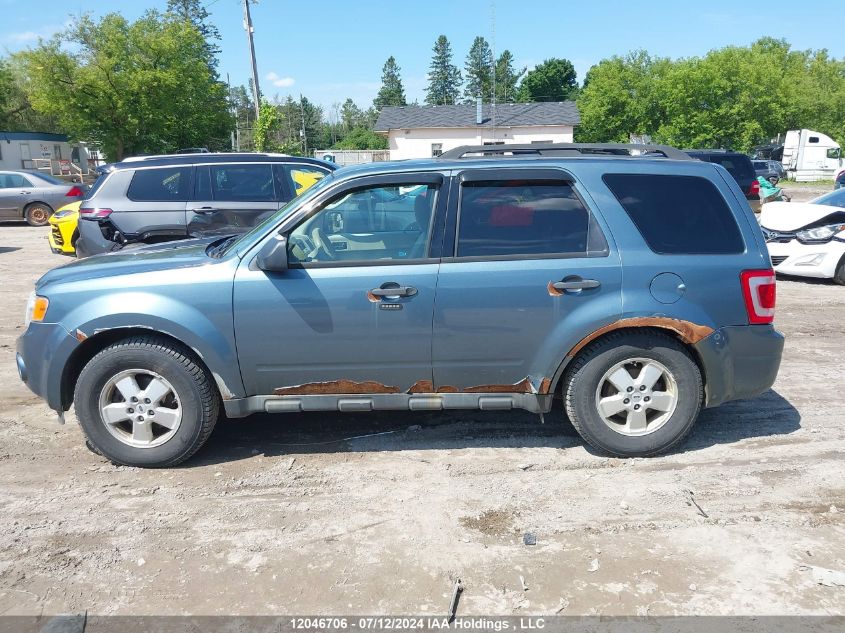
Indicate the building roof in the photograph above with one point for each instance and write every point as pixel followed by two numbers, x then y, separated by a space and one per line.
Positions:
pixel 463 115
pixel 32 136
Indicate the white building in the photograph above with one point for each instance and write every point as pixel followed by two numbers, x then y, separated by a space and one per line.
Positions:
pixel 426 131
pixel 48 152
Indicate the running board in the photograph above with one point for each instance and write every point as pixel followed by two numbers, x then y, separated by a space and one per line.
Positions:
pixel 535 403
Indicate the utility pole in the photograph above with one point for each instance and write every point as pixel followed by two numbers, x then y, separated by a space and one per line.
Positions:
pixel 302 129
pixel 249 32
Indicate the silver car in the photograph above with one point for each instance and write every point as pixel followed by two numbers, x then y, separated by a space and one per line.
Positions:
pixel 33 196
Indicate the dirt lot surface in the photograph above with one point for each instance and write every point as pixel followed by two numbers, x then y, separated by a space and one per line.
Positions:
pixel 286 514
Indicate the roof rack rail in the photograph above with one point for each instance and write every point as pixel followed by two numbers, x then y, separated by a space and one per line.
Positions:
pixel 565 149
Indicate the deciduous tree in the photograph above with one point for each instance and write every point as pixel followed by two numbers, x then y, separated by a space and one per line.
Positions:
pixel 553 80
pixel 134 87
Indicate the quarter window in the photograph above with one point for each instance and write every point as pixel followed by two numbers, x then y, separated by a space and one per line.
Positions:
pixel 164 184
pixel 505 218
pixel 374 223
pixel 303 177
pixel 677 214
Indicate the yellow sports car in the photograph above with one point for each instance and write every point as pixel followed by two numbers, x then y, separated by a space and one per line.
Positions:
pixel 63 232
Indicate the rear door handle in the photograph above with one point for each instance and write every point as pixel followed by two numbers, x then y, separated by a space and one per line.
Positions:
pixel 576 284
pixel 204 210
pixel 393 291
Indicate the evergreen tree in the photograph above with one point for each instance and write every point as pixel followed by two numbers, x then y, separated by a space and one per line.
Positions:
pixel 444 78
pixel 391 93
pixel 506 78
pixel 350 116
pixel 478 71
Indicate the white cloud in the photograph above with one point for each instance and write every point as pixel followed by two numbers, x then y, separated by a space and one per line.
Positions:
pixel 280 82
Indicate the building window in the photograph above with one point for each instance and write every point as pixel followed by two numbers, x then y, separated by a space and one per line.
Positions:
pixel 494 142
pixel 436 149
pixel 541 142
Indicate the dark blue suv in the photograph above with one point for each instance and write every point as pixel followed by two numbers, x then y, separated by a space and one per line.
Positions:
pixel 631 281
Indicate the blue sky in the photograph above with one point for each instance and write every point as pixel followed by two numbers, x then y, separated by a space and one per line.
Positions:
pixel 335 49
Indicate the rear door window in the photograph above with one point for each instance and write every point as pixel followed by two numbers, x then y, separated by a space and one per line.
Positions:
pixel 677 214
pixel 521 218
pixel 13 181
pixel 164 184
pixel 242 183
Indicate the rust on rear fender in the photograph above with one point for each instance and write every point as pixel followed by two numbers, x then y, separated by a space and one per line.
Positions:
pixel 690 333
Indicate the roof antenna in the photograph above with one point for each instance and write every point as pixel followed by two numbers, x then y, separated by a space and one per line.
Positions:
pixel 493 46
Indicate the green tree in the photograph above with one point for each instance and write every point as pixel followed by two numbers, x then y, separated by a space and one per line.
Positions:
pixel 622 96
pixel 391 93
pixel 194 12
pixel 16 112
pixel 506 78
pixel 444 78
pixel 266 127
pixel 553 80
pixel 362 138
pixel 478 71
pixel 140 87
pixel 351 116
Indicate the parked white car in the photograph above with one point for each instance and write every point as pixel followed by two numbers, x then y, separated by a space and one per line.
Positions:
pixel 807 239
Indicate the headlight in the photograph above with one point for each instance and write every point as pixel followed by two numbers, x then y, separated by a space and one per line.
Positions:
pixel 36 308
pixel 820 233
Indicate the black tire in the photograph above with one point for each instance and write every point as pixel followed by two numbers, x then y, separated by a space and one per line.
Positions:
pixel 581 383
pixel 200 402
pixel 37 214
pixel 839 275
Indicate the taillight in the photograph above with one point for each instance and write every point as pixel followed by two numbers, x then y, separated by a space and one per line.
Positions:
pixel 758 290
pixel 94 213
pixel 74 192
pixel 754 189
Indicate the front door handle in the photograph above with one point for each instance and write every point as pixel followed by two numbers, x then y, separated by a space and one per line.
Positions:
pixel 204 210
pixel 576 284
pixel 392 290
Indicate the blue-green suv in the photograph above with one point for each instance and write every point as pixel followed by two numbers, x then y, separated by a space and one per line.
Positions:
pixel 631 281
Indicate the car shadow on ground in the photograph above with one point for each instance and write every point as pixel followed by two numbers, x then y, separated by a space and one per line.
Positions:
pixel 813 281
pixel 328 432
pixel 9 249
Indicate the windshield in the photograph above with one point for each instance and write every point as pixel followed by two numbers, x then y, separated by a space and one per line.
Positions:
pixel 260 228
pixel 833 199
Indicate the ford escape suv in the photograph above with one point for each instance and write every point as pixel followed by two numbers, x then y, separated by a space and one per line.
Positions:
pixel 152 199
pixel 637 288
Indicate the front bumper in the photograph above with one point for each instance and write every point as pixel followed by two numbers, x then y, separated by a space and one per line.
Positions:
pixel 806 260
pixel 61 237
pixel 739 362
pixel 43 351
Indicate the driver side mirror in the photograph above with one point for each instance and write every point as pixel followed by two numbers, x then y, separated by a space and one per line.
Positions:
pixel 273 256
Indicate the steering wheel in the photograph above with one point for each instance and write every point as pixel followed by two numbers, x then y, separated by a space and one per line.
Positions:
pixel 322 245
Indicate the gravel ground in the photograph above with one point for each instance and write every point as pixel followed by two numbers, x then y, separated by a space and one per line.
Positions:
pixel 287 514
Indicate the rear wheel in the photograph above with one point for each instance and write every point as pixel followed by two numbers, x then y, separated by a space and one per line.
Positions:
pixel 145 402
pixel 37 214
pixel 634 393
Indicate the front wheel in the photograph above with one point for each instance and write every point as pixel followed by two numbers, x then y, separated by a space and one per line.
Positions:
pixel 144 402
pixel 634 394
